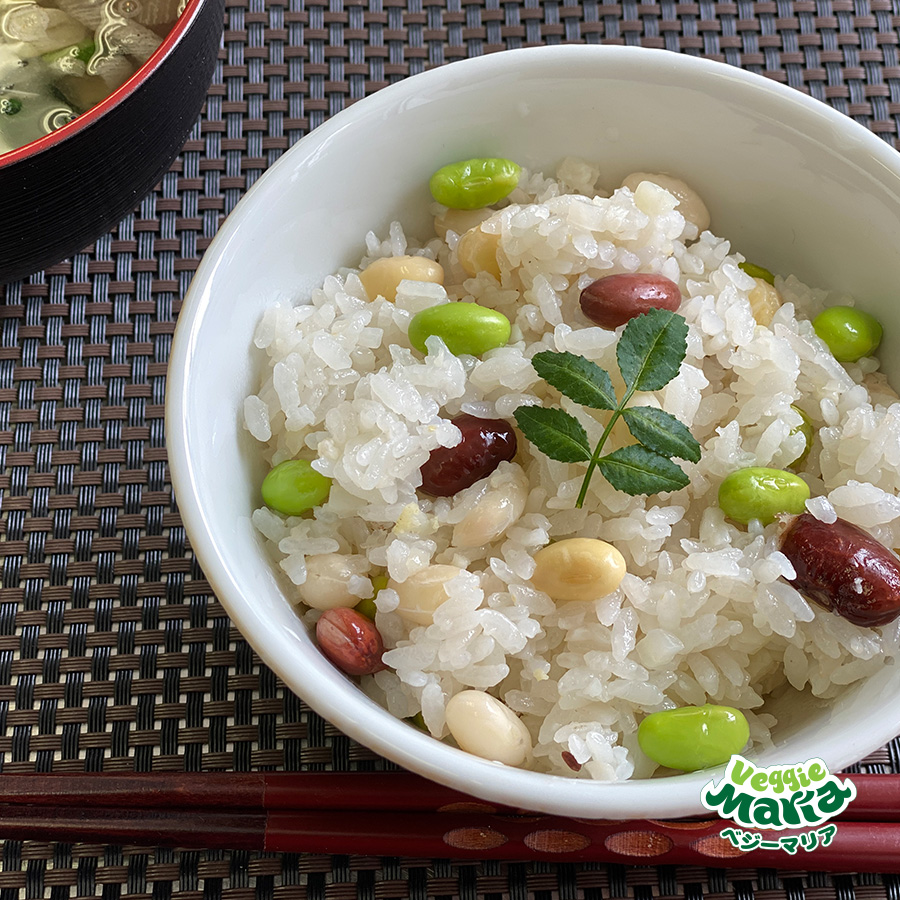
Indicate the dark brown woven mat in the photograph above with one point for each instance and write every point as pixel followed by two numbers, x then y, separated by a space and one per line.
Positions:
pixel 114 654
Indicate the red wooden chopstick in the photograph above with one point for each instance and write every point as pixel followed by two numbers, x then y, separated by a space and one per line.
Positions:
pixel 855 847
pixel 877 796
pixel 399 814
pixel 399 791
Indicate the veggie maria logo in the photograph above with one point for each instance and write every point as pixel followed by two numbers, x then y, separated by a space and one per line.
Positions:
pixel 778 798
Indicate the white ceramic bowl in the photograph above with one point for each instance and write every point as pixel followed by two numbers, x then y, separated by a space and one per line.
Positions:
pixel 787 179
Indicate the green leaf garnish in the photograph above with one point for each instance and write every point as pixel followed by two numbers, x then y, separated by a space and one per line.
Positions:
pixel 637 470
pixel 576 377
pixel 649 354
pixel 661 432
pixel 557 434
pixel 651 349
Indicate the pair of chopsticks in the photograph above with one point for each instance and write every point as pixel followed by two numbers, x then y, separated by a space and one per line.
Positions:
pixel 399 814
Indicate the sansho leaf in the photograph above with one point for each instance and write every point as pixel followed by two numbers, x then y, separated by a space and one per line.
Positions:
pixel 578 378
pixel 554 432
pixel 651 349
pixel 637 470
pixel 662 432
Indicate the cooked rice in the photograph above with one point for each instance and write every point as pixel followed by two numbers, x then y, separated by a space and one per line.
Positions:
pixel 704 613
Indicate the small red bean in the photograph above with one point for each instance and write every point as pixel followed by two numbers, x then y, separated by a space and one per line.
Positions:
pixel 844 569
pixel 485 444
pixel 613 300
pixel 350 640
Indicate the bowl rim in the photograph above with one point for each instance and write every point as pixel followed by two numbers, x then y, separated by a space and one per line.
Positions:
pixel 126 89
pixel 393 738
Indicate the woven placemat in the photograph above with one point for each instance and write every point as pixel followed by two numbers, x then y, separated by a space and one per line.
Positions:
pixel 114 653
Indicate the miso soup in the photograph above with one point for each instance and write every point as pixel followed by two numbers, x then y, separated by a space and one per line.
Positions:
pixel 58 58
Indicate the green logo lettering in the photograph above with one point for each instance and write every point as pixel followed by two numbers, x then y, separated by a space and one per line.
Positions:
pixel 750 795
pixel 790 779
pixel 833 797
pixel 759 782
pixel 736 772
pixel 729 804
pixel 790 811
pixel 817 772
pixel 766 813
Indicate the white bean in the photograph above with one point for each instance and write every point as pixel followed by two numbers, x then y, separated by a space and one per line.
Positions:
pixel 491 515
pixel 689 203
pixel 578 569
pixel 485 727
pixel 382 276
pixel 422 593
pixel 327 580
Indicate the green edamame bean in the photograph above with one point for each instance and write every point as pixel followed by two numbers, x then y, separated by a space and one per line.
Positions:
pixel 379 582
pixel 418 721
pixel 463 327
pixel 755 271
pixel 473 183
pixel 760 493
pixel 693 737
pixel 808 431
pixel 850 333
pixel 294 486
pixel 367 607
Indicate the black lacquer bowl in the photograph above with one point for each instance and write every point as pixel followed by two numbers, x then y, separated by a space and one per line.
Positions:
pixel 62 191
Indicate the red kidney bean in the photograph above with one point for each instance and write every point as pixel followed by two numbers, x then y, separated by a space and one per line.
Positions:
pixel 350 640
pixel 844 569
pixel 613 300
pixel 485 444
